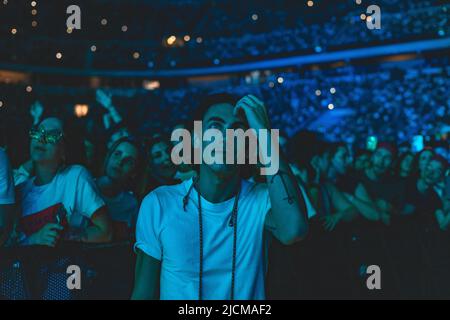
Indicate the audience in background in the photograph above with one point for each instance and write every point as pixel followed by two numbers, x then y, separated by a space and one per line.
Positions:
pixel 160 170
pixel 372 209
pixel 404 167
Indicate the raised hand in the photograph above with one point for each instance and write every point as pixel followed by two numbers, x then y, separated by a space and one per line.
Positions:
pixel 104 98
pixel 255 112
pixel 36 111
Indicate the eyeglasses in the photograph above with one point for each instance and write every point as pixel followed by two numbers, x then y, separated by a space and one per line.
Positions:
pixel 51 137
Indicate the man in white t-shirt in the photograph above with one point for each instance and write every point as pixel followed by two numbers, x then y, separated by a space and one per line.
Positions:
pixel 205 238
pixel 6 196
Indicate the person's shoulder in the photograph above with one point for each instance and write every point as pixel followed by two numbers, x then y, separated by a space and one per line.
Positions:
pixel 169 191
pixel 76 171
pixel 251 188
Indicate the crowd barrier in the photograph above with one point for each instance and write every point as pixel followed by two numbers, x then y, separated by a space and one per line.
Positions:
pixel 323 266
pixel 40 273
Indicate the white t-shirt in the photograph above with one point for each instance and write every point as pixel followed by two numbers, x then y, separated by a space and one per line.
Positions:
pixel 168 233
pixel 72 196
pixel 6 180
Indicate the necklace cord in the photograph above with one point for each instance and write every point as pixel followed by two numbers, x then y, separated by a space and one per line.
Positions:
pixel 232 223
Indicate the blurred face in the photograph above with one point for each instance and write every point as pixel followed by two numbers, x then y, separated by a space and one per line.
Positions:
pixel 221 117
pixel 341 160
pixel 160 160
pixel 121 165
pixel 424 159
pixel 362 162
pixel 381 161
pixel 433 172
pixel 406 165
pixel 46 146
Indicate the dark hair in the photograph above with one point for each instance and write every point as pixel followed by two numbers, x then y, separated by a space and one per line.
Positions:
pixel 141 160
pixel 157 138
pixel 210 100
pixel 116 128
pixel 400 160
pixel 203 107
pixel 73 142
pixel 334 147
pixel 416 168
pixel 304 146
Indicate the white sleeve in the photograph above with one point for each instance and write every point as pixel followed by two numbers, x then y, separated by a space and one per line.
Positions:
pixel 262 200
pixel 87 197
pixel 20 175
pixel 6 180
pixel 149 226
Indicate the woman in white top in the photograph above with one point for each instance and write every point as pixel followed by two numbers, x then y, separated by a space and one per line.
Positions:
pixel 61 201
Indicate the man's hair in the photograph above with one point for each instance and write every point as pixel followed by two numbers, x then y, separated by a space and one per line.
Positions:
pixel 210 100
pixel 154 140
pixel 203 107
pixel 334 147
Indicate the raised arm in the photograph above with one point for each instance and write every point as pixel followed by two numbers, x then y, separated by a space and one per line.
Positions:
pixel 365 205
pixel 286 220
pixel 343 209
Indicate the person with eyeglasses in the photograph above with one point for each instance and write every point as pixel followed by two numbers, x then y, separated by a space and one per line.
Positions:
pixel 61 200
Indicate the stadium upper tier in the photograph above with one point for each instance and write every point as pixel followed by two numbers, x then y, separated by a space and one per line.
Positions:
pixel 143 35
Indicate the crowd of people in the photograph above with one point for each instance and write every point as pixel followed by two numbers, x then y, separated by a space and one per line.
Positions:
pixel 390 101
pixel 336 33
pixel 217 33
pixel 362 207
